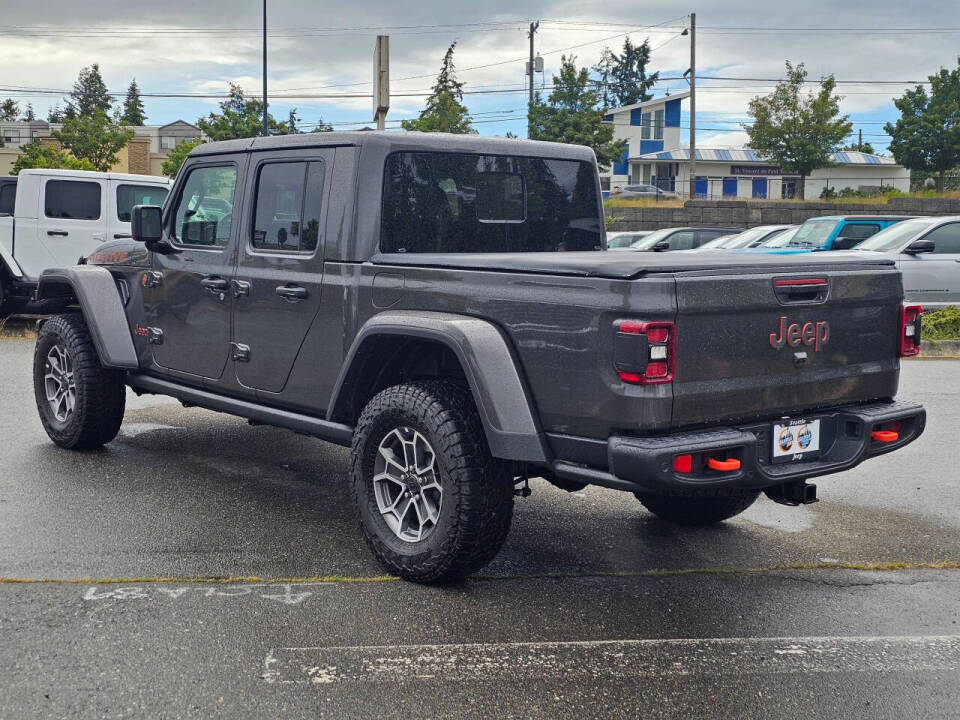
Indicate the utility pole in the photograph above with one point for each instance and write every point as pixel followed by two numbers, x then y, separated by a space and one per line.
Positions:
pixel 533 30
pixel 860 139
pixel 266 129
pixel 693 105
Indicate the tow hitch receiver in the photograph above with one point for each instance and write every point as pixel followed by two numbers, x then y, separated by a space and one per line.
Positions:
pixel 795 493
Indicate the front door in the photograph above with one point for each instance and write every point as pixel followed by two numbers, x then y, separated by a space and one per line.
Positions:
pixel 280 265
pixel 72 221
pixel 934 277
pixel 122 196
pixel 187 295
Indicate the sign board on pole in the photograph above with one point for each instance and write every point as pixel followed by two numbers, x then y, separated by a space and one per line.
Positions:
pixel 381 80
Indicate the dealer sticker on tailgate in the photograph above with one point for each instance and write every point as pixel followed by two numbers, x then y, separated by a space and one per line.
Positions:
pixel 796 440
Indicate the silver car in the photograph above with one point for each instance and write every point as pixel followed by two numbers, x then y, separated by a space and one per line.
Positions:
pixel 645 191
pixel 927 252
pixel 624 239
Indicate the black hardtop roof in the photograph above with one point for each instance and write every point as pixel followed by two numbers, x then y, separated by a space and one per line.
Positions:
pixel 386 142
pixel 865 217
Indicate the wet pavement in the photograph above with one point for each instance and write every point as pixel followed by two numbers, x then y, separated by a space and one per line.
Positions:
pixel 594 608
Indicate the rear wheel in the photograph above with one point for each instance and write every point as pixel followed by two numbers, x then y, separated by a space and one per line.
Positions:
pixel 80 402
pixel 434 505
pixel 698 507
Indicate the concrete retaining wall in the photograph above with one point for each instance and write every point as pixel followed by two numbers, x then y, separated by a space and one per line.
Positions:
pixel 749 213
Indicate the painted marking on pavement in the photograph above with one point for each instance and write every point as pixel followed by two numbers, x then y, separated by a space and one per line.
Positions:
pixel 610 659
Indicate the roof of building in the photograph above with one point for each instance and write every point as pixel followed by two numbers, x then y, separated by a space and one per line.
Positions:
pixel 747 156
pixel 646 103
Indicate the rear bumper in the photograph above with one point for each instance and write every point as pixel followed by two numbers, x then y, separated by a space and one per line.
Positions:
pixel 646 464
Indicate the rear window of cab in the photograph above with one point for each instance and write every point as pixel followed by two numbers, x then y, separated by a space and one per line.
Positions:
pixel 440 202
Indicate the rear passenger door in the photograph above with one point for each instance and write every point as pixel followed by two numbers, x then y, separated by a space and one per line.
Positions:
pixel 279 273
pixel 72 221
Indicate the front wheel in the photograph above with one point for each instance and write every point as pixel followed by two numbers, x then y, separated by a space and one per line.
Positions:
pixel 80 402
pixel 434 505
pixel 698 507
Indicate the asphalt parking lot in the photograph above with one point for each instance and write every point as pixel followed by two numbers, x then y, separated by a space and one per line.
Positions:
pixel 113 603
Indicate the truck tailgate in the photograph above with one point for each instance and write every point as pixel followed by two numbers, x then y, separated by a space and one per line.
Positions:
pixel 767 344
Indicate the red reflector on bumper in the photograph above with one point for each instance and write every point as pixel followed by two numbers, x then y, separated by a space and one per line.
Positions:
pixel 683 463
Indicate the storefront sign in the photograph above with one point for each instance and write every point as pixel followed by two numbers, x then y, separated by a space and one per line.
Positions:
pixel 755 170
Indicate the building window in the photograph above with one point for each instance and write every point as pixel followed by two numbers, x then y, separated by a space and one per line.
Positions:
pixel 645 129
pixel 11 136
pixel 646 174
pixel 658 125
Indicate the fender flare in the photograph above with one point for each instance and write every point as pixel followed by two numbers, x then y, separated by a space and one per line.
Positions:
pixel 500 393
pixel 12 267
pixel 96 292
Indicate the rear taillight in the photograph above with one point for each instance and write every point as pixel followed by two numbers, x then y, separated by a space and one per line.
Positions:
pixel 910 322
pixel 643 352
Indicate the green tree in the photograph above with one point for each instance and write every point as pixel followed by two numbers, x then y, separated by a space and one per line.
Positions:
pixel 9 110
pixel 35 155
pixel 29 115
pixel 570 115
pixel 171 166
pixel 55 114
pixel 94 137
pixel 133 112
pixel 623 78
pixel 89 94
pixel 866 147
pixel 926 138
pixel 321 126
pixel 239 117
pixel 445 111
pixel 800 131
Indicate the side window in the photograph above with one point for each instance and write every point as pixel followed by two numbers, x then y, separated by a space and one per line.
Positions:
pixel 204 213
pixel 645 122
pixel 130 195
pixel 947 239
pixel 8 197
pixel 72 200
pixel 682 240
pixel 288 203
pixel 854 234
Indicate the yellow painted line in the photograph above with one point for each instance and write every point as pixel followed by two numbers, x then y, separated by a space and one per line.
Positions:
pixel 890 566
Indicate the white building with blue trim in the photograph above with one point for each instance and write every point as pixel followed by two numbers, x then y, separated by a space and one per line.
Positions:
pixel 653 156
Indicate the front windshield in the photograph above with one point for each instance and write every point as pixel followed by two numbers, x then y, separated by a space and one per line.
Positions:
pixel 813 233
pixel 893 237
pixel 746 238
pixel 645 243
pixel 718 242
pixel 781 239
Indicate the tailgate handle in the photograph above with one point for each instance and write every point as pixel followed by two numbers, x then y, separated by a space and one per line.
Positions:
pixel 723 465
pixel 792 291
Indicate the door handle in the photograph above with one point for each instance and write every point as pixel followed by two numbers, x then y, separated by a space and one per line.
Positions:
pixel 214 284
pixel 121 236
pixel 292 292
pixel 61 233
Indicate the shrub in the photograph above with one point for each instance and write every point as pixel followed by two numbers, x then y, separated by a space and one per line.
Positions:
pixel 942 324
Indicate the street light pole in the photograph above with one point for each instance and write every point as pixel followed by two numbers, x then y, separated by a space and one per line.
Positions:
pixel 693 105
pixel 533 30
pixel 266 129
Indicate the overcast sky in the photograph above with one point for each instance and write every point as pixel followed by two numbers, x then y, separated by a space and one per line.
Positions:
pixel 326 48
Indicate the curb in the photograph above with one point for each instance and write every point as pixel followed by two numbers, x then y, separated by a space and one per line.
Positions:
pixel 940 348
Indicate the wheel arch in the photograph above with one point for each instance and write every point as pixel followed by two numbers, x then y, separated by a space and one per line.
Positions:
pixel 94 290
pixel 400 345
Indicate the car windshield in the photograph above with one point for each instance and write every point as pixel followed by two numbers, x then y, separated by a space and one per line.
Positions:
pixel 893 237
pixel 718 242
pixel 645 243
pixel 746 238
pixel 781 239
pixel 813 233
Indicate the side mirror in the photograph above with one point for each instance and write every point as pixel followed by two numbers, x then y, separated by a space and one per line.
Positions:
pixel 146 223
pixel 920 246
pixel 661 246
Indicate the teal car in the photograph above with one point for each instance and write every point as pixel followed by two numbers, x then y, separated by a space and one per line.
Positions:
pixel 832 232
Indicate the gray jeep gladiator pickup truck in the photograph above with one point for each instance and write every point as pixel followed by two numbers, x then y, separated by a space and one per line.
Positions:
pixel 444 306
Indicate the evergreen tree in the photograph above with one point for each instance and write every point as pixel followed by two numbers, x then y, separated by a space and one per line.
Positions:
pixel 239 117
pixel 570 115
pixel 293 122
pixel 28 114
pixel 926 138
pixel 55 115
pixel 133 112
pixel 445 111
pixel 623 78
pixel 866 147
pixel 89 94
pixel 9 110
pixel 798 131
pixel 321 126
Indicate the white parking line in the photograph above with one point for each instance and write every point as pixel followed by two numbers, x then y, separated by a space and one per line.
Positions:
pixel 611 659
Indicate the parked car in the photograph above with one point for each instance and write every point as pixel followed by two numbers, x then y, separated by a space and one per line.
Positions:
pixel 680 238
pixel 624 239
pixel 645 191
pixel 836 232
pixel 449 342
pixel 752 237
pixel 60 216
pixel 927 252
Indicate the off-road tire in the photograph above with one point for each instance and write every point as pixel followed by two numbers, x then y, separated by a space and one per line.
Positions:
pixel 477 505
pixel 100 394
pixel 698 507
